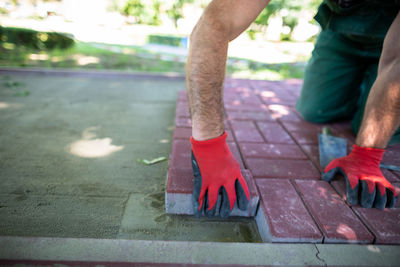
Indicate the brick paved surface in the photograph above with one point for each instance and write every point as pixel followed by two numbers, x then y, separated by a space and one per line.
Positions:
pixel 280 150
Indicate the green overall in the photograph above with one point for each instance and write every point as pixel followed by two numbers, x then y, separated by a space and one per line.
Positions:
pixel 344 62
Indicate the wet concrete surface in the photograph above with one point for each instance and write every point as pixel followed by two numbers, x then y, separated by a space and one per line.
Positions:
pixel 68 150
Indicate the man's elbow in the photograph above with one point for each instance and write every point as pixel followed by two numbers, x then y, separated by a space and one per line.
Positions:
pixel 211 27
pixel 390 65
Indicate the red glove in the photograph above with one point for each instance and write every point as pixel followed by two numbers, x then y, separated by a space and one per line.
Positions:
pixel 361 167
pixel 216 174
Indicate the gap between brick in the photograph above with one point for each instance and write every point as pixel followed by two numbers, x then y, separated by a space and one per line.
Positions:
pixel 301 148
pixel 124 211
pixel 309 211
pixel 236 143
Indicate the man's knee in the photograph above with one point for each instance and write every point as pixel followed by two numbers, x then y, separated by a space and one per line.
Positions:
pixel 310 113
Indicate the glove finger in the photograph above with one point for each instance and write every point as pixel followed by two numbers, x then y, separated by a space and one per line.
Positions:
pixel 230 190
pixel 209 212
pixel 212 198
pixel 328 176
pixel 391 199
pixel 200 203
pixel 351 193
pixel 367 196
pixel 197 183
pixel 225 209
pixel 380 200
pixel 242 199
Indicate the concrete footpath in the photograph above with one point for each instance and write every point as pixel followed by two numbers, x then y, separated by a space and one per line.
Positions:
pixel 73 193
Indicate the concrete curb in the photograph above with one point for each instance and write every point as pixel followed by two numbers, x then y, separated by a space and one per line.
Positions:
pixel 92 73
pixel 112 250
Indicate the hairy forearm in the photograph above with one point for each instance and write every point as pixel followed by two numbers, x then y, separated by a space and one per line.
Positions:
pixel 382 111
pixel 205 72
pixel 221 22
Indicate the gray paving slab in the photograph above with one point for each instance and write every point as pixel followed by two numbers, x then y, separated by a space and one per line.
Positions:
pixel 61 216
pixel 68 155
pixel 145 217
pixel 158 251
pixel 359 255
pixel 113 250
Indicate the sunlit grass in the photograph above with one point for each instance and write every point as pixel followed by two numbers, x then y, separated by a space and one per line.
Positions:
pixel 130 58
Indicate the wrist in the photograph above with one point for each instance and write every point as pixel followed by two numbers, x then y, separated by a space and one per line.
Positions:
pixel 211 141
pixel 203 135
pixel 367 154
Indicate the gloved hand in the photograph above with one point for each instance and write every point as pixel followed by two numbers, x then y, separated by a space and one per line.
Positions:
pixel 216 174
pixel 364 178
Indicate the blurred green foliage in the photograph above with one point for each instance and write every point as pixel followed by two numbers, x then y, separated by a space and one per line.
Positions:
pixel 175 12
pixel 136 9
pixel 93 56
pixel 34 39
pixel 293 8
pixel 167 40
pixel 149 11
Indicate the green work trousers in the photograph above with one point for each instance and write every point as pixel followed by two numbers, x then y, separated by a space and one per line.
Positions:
pixel 338 78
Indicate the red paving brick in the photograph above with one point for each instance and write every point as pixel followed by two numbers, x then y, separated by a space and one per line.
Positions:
pixel 180 181
pixel 343 129
pixel 182 133
pixel 182 96
pixel 182 109
pixel 390 175
pixel 238 105
pixel 248 115
pixel 340 186
pixel 272 151
pixel 300 126
pixel 185 133
pixel 397 189
pixel 282 168
pixel 180 188
pixel 246 131
pixel 305 137
pixel 274 95
pixel 287 220
pixel 180 155
pixel 280 149
pixel 274 133
pixel 183 122
pixel 236 154
pixel 244 97
pixel 392 156
pixel 385 225
pixel 187 122
pixel 312 151
pixel 284 113
pixel 336 220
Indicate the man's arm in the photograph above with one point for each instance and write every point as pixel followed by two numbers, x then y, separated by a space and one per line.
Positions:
pixel 365 183
pixel 221 22
pixel 382 111
pixel 216 172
